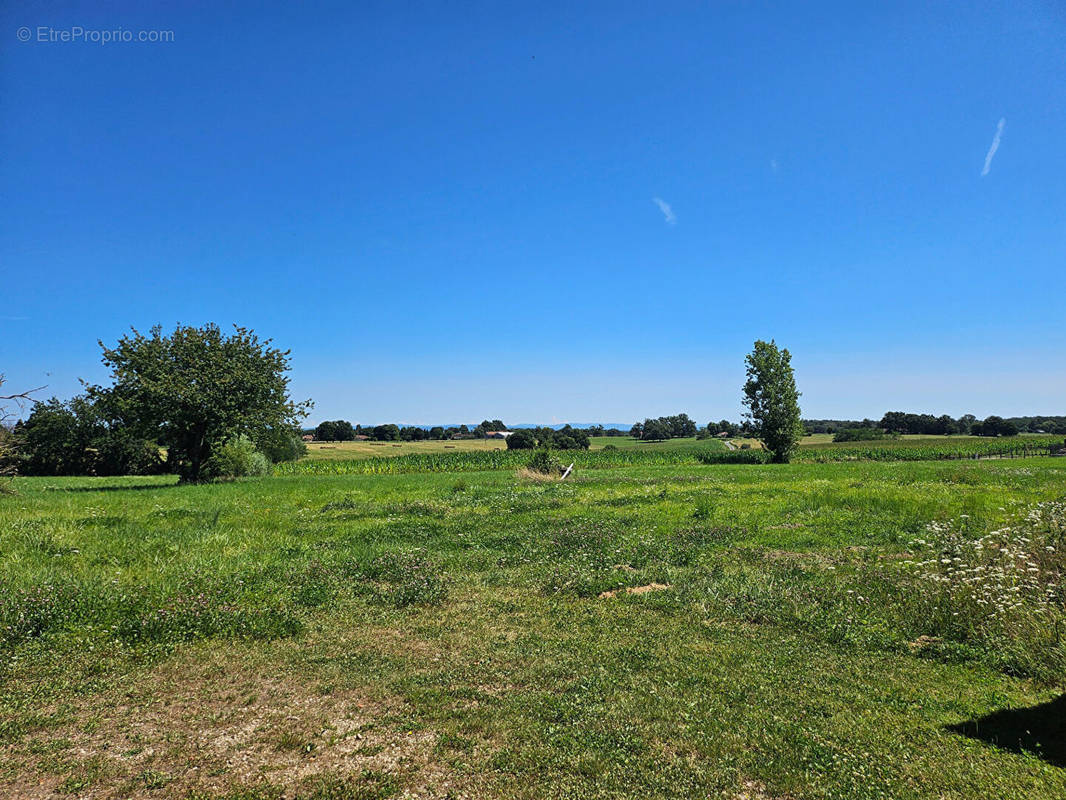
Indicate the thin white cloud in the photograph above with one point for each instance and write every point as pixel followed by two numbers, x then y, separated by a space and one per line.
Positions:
pixel 995 146
pixel 773 164
pixel 668 213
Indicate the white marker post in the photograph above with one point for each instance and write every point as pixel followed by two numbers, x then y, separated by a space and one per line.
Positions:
pixel 567 471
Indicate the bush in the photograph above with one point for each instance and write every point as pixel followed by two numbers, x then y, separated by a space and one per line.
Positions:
pixel 237 458
pixel 545 462
pixel 282 444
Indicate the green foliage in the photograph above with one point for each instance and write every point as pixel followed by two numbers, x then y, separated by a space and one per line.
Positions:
pixel 336 431
pixel 861 435
pixel 522 439
pixel 237 458
pixel 196 389
pixel 80 438
pixel 772 400
pixel 545 461
pixel 281 444
pixel 928 449
pixel 678 426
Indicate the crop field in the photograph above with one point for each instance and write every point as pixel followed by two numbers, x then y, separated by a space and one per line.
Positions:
pixel 343 451
pixel 349 450
pixel 671 629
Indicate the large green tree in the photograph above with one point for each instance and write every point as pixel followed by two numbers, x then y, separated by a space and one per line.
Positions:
pixel 195 389
pixel 772 400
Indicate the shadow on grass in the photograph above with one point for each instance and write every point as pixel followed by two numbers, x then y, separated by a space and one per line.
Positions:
pixel 1039 730
pixel 136 487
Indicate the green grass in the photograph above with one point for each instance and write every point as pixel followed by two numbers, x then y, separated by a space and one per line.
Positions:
pixel 361 635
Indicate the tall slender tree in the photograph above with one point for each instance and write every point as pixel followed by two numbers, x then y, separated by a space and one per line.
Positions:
pixel 772 400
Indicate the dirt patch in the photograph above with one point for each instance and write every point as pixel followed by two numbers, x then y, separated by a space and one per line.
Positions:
pixel 650 587
pixel 210 726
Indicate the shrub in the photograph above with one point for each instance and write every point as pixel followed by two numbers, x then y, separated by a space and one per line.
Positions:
pixel 545 462
pixel 282 444
pixel 237 458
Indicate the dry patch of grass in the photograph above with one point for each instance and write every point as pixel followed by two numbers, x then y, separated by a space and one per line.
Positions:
pixel 527 474
pixel 207 726
pixel 651 587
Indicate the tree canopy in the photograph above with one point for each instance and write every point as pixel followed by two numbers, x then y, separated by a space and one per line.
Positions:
pixel 195 389
pixel 772 400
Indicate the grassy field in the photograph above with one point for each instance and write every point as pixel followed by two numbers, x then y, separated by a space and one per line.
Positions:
pixel 472 635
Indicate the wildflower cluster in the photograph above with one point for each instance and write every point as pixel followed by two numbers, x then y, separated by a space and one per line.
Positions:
pixel 1002 591
pixel 1016 567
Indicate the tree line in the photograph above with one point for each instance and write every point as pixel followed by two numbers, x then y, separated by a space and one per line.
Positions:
pixel 343 431
pixel 900 423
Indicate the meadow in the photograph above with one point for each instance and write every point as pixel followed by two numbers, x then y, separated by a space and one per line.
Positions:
pixel 654 626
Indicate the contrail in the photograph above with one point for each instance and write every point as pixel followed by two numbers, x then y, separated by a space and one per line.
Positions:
pixel 668 212
pixel 995 146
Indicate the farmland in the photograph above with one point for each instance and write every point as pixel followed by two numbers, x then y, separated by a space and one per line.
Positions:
pixel 346 450
pixel 439 630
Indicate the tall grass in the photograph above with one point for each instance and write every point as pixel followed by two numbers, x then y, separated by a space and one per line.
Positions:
pixel 712 453
pixel 923 450
pixel 491 460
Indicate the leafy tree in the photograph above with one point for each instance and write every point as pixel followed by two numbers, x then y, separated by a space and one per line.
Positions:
pixel 338 430
pixel 522 439
pixel 772 400
pixel 386 433
pixel 436 432
pixel 196 389
pixel 79 438
pixel 655 430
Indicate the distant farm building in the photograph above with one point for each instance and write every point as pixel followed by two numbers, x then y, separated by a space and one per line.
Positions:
pixel 361 438
pixel 497 434
pixel 307 437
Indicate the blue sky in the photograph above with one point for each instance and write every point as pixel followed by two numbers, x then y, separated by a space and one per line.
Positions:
pixel 548 211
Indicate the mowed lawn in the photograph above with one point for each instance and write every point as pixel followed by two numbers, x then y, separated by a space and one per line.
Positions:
pixel 443 635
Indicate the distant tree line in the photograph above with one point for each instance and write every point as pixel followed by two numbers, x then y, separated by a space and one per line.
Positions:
pixel 899 422
pixel 599 430
pixel 343 431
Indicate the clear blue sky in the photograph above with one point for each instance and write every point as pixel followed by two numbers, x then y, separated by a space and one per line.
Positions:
pixel 542 211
